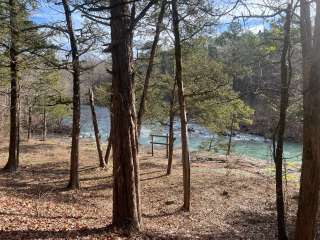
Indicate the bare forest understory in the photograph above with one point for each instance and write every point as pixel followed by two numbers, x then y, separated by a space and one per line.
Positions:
pixel 231 199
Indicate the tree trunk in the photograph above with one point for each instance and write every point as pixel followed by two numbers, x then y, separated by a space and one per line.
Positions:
pixel 144 96
pixel 13 163
pixel 126 194
pixel 171 130
pixel 284 98
pixel 310 173
pixel 29 123
pixel 230 136
pixel 96 128
pixel 74 182
pixel 210 144
pixel 182 103
pixel 18 127
pixel 108 151
pixel 44 124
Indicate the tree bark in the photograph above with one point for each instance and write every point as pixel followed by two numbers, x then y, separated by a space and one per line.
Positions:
pixel 144 96
pixel 126 193
pixel 13 162
pixel 230 136
pixel 182 103
pixel 171 130
pixel 74 182
pixel 96 128
pixel 44 124
pixel 29 123
pixel 108 151
pixel 284 99
pixel 310 173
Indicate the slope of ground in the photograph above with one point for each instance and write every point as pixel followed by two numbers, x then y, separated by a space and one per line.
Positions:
pixel 231 198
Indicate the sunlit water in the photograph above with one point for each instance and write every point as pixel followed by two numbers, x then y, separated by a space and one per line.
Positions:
pixel 199 137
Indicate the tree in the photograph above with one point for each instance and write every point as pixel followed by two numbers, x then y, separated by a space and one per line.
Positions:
pixel 13 161
pixel 172 112
pixel 286 73
pixel 182 104
pixel 74 182
pixel 19 38
pixel 310 171
pixel 144 95
pixel 126 190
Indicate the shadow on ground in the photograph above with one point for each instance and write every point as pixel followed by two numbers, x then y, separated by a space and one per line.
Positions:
pixel 49 180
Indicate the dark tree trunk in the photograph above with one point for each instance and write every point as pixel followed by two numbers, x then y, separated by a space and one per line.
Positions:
pixel 284 98
pixel 96 128
pixel 13 162
pixel 74 182
pixel 183 115
pixel 126 193
pixel 171 130
pixel 144 96
pixel 18 126
pixel 108 151
pixel 29 123
pixel 210 144
pixel 306 225
pixel 230 136
pixel 44 124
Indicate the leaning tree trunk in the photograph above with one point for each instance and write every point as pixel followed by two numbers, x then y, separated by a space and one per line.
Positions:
pixel 284 98
pixel 108 151
pixel 306 225
pixel 171 130
pixel 74 182
pixel 13 162
pixel 126 195
pixel 96 128
pixel 182 103
pixel 144 96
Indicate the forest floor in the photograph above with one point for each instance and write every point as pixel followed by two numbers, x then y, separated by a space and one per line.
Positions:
pixel 232 198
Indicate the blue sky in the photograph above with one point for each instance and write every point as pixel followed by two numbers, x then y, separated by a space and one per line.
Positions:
pixel 48 13
pixel 51 13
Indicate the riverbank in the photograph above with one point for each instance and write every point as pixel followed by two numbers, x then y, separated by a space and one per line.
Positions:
pixel 232 198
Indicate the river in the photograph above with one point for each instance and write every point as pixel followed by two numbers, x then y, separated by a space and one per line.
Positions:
pixel 249 145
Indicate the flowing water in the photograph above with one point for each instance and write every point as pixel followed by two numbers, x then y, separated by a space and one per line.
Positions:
pixel 243 144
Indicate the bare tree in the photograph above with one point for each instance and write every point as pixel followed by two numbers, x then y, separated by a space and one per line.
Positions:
pixel 144 95
pixel 182 103
pixel 280 130
pixel 74 182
